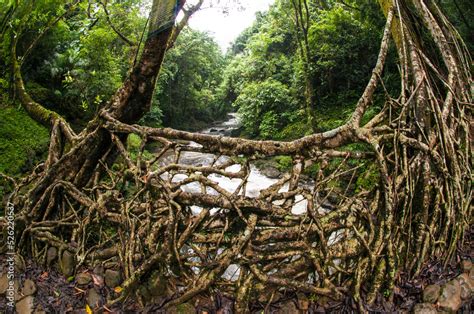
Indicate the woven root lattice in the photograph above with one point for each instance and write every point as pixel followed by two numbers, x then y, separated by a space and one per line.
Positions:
pixel 314 230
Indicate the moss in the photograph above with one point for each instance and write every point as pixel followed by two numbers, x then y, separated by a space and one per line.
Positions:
pixel 312 170
pixel 284 163
pixel 369 179
pixel 23 142
pixel 133 142
pixel 294 131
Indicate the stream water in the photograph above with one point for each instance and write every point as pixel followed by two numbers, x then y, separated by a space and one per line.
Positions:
pixel 256 182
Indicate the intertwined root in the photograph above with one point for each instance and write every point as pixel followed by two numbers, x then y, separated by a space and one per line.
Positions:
pixel 358 205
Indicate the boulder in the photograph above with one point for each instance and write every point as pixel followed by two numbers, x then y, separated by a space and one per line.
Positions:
pixel 25 305
pixel 271 172
pixel 431 293
pixel 113 278
pixel 29 287
pixel 67 264
pixel 425 308
pixel 94 299
pixel 3 284
pixel 467 286
pixel 20 264
pixel 51 255
pixel 83 279
pixel 450 297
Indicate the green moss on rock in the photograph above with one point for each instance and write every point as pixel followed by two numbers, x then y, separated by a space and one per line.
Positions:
pixel 23 142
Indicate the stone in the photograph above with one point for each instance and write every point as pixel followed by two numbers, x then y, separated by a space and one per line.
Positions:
pixel 288 308
pixel 98 270
pixel 51 255
pixel 466 265
pixel 67 264
pixel 83 279
pixel 20 264
pixel 113 278
pixel 93 298
pixel 25 305
pixel 467 286
pixel 271 172
pixel 425 308
pixel 431 293
pixel 3 284
pixel 450 297
pixel 29 287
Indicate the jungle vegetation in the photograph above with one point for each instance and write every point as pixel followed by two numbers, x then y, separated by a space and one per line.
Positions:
pixel 371 101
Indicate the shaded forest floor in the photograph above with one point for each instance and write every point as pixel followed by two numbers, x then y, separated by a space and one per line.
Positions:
pixel 53 293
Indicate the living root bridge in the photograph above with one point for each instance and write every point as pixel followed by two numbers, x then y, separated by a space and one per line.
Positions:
pixel 160 220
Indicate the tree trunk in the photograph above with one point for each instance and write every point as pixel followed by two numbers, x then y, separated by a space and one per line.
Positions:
pixel 128 105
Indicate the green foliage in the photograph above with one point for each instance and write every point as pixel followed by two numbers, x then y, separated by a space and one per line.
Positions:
pixel 23 142
pixel 188 89
pixel 284 163
pixel 266 69
pixel 368 179
pixel 264 107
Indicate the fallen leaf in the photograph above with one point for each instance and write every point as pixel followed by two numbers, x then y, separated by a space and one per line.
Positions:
pixel 44 275
pixel 118 289
pixel 88 309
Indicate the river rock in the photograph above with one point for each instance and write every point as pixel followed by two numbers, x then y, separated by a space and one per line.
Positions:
pixel 20 264
pixel 271 172
pixel 3 284
pixel 288 308
pixel 66 264
pixel 51 255
pixel 113 278
pixel 99 270
pixel 25 305
pixel 29 287
pixel 83 279
pixel 94 299
pixel 431 293
pixel 425 308
pixel 450 297
pixel 466 265
pixel 467 286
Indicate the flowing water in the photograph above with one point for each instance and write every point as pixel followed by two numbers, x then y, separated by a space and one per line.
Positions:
pixel 256 182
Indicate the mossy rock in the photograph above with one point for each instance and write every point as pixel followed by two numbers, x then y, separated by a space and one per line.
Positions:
pixel 23 142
